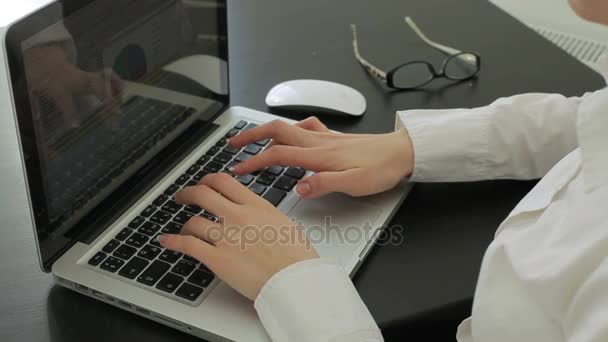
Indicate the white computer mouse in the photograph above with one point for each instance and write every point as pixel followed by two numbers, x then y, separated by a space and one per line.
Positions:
pixel 317 97
pixel 209 71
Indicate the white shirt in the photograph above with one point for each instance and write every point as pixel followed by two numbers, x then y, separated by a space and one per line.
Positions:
pixel 545 276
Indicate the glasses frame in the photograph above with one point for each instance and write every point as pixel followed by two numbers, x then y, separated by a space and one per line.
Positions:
pixel 388 77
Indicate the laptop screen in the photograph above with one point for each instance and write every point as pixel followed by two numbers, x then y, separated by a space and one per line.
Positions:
pixel 102 89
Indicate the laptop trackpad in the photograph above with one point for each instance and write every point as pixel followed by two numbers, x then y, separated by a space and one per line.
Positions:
pixel 337 225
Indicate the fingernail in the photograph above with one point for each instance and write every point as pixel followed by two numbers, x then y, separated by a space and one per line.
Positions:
pixel 231 169
pixel 303 189
pixel 161 239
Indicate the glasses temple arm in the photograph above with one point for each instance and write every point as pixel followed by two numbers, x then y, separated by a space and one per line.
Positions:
pixel 440 47
pixel 372 69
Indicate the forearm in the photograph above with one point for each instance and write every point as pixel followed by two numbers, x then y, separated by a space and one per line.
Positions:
pixel 520 137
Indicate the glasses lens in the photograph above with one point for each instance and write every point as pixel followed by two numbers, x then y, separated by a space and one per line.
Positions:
pixel 462 66
pixel 412 75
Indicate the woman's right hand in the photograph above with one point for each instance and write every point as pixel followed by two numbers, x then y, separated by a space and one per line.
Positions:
pixel 354 164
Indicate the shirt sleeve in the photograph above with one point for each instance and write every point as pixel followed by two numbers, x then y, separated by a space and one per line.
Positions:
pixel 54 34
pixel 315 301
pixel 520 137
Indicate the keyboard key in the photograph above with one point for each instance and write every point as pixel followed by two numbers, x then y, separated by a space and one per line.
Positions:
pixel 253 149
pixel 245 179
pixel 194 209
pixel 189 292
pixel 172 228
pixel 295 172
pixel 193 170
pixel 111 246
pixel 231 164
pixel 201 278
pixel 149 252
pixel 242 124
pixel 274 196
pixel 263 142
pixel 223 142
pixel 257 188
pixel 133 268
pixel 231 150
pixel 137 240
pixel 171 190
pixel 213 167
pixel 223 158
pixel 191 183
pixel 137 222
pixel 153 273
pixel 190 259
pixel 125 252
pixel 242 157
pixel 266 179
pixel 161 217
pixel 112 264
pixel 204 267
pixel 275 170
pixel 97 259
pixel 250 126
pixel 124 234
pixel 170 282
pixel 149 228
pixel 213 151
pixel 154 241
pixel 203 160
pixel 183 268
pixel 172 207
pixel 232 133
pixel 199 176
pixel 148 211
pixel 182 180
pixel 285 183
pixel 160 200
pixel 210 217
pixel 182 217
pixel 170 256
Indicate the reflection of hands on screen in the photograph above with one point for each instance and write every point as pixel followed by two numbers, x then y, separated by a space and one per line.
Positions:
pixel 50 74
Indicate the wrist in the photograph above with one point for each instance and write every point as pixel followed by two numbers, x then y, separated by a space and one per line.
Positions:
pixel 403 152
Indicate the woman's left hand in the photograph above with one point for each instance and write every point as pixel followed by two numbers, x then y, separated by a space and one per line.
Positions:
pixel 251 243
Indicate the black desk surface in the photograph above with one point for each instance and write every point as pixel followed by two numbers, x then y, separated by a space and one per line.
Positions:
pixel 432 276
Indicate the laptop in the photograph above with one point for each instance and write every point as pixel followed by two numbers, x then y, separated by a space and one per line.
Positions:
pixel 101 175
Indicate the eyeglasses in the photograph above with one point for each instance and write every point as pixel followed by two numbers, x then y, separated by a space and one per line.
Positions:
pixel 458 66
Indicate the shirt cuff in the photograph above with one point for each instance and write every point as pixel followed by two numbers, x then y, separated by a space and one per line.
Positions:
pixel 449 145
pixel 314 301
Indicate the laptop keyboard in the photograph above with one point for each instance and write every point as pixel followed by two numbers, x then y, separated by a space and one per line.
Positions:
pixel 135 254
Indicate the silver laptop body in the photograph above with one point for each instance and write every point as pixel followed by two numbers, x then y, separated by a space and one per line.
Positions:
pixel 101 191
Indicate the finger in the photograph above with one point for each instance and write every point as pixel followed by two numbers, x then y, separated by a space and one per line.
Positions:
pixel 65 102
pixel 194 247
pixel 312 124
pixel 118 86
pixel 99 84
pixel 279 131
pixel 230 188
pixel 307 158
pixel 208 199
pixel 203 229
pixel 350 182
